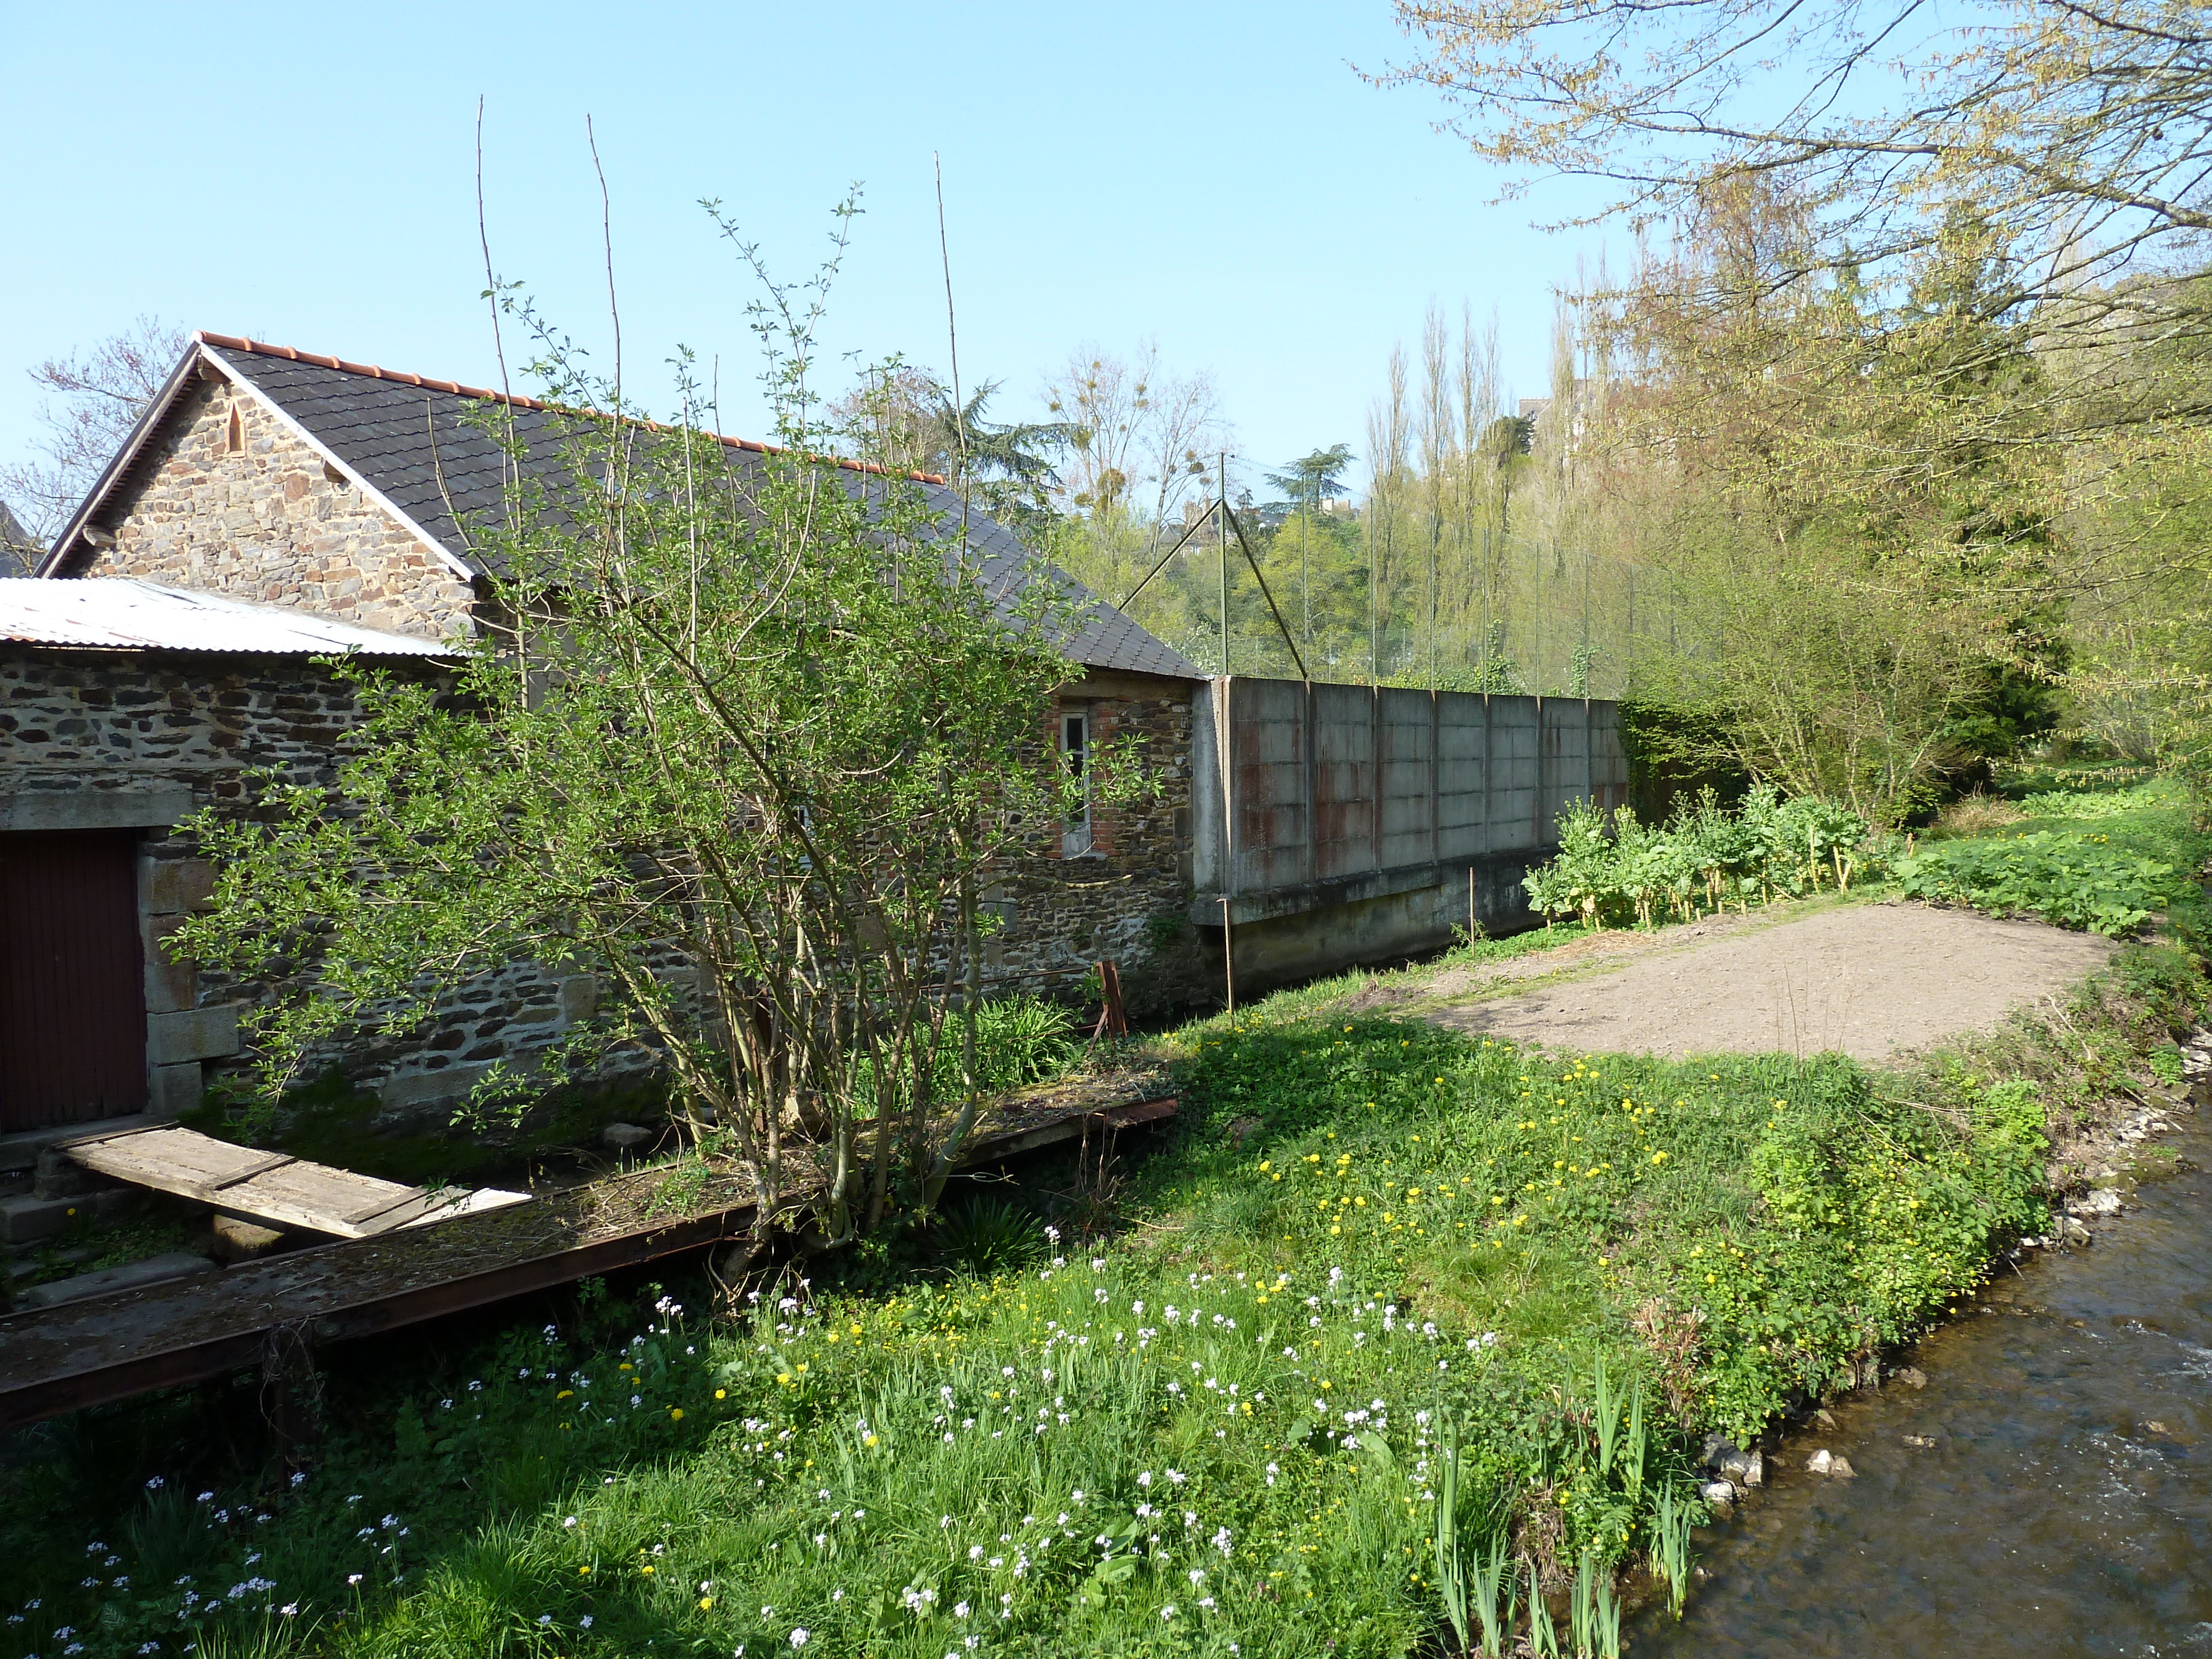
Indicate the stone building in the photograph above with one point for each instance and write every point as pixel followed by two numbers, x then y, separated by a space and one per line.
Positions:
pixel 309 505
pixel 124 707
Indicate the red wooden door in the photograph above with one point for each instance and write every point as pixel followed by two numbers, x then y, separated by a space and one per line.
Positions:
pixel 72 984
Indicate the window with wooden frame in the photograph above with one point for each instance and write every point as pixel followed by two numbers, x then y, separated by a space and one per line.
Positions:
pixel 234 440
pixel 1075 837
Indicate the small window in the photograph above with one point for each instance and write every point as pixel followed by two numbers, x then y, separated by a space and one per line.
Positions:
pixel 234 435
pixel 1075 745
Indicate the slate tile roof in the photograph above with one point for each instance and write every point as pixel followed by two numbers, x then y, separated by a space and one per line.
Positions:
pixel 413 441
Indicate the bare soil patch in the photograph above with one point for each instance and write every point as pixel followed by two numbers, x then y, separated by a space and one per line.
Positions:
pixel 1879 981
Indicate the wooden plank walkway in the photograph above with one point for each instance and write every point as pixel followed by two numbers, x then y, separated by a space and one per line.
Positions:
pixel 273 1188
pixel 114 1348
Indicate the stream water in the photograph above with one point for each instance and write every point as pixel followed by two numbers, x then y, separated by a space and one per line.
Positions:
pixel 2048 1492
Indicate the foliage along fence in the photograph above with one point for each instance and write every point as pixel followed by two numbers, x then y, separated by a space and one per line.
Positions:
pixel 1614 868
pixel 1702 859
pixel 1473 609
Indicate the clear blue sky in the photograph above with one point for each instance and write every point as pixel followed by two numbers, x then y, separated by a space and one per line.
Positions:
pixel 1217 177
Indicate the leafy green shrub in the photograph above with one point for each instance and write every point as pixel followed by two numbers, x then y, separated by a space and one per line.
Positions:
pixel 2076 881
pixel 1022 1039
pixel 2109 804
pixel 1617 868
pixel 1019 1040
pixel 2033 779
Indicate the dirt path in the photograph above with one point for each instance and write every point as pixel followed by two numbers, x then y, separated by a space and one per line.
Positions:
pixel 1876 981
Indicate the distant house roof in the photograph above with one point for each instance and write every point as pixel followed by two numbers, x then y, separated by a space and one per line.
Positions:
pixel 123 613
pixel 406 441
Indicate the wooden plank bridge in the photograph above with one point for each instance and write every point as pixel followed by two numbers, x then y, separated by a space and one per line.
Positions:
pixel 273 1188
pixel 114 1348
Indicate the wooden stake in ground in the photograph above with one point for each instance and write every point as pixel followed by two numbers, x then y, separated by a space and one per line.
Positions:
pixel 1228 958
pixel 1113 1017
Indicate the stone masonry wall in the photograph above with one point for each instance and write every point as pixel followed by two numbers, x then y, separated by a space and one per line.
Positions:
pixel 1126 900
pixel 80 722
pixel 77 723
pixel 269 523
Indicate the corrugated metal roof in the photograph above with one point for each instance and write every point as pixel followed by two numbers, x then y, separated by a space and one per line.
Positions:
pixel 123 613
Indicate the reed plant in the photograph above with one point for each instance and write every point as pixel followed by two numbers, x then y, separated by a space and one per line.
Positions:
pixel 1496 1587
pixel 1671 1522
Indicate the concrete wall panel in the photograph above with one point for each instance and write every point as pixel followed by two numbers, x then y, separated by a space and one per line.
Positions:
pixel 1273 820
pixel 1408 777
pixel 1367 819
pixel 1515 813
pixel 1463 775
pixel 1345 804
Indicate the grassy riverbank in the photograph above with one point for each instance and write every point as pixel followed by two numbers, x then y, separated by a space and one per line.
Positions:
pixel 1214 1428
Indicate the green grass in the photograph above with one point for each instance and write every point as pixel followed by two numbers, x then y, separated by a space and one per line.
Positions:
pixel 1220 1429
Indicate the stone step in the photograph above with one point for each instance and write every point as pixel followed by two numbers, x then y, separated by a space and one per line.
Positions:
pixel 130 1276
pixel 23 1263
pixel 20 1150
pixel 26 1216
pixel 58 1176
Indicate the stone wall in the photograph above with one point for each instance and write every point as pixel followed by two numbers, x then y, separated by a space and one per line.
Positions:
pixel 143 739
pixel 1126 900
pixel 130 740
pixel 96 720
pixel 229 498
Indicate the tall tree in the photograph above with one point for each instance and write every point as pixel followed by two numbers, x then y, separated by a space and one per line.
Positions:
pixel 1306 482
pixel 1389 436
pixel 94 396
pixel 905 416
pixel 2084 130
pixel 1143 445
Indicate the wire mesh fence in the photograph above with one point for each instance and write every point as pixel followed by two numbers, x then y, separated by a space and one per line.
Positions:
pixel 1482 611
